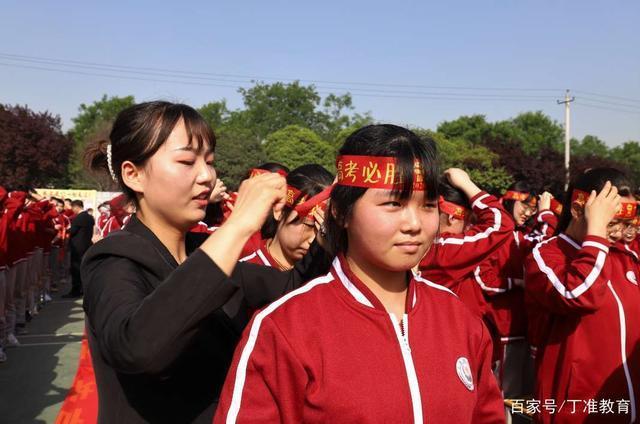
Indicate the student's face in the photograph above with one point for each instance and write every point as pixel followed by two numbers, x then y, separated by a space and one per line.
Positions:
pixel 617 228
pixel 59 207
pixel 67 205
pixel 390 233
pixel 295 236
pixel 522 212
pixel 630 233
pixel 451 225
pixel 177 180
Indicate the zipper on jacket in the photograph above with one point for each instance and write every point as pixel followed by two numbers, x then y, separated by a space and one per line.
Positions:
pixel 402 335
pixel 623 349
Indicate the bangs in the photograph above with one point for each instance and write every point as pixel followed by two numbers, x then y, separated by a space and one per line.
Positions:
pixel 199 132
pixel 414 161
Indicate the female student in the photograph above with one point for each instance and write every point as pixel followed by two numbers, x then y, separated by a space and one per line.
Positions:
pixel 165 308
pixel 370 341
pixel 289 237
pixel 592 327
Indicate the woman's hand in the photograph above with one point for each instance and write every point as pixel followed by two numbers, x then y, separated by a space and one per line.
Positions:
pixel 218 192
pixel 600 210
pixel 257 198
pixel 545 201
pixel 459 179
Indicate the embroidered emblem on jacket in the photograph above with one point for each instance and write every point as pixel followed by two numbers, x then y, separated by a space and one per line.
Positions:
pixel 464 372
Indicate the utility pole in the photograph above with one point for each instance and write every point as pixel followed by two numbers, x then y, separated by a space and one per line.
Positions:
pixel 567 135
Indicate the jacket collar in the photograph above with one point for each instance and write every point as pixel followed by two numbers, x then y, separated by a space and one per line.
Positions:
pixel 359 290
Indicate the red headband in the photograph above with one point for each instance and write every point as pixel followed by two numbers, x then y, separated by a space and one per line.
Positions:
pixel 257 171
pixel 318 201
pixel 374 172
pixel 518 195
pixel 294 196
pixel 556 207
pixel 627 209
pixel 452 209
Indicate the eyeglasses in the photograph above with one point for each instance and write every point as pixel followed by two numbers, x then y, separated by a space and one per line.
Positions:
pixel 616 225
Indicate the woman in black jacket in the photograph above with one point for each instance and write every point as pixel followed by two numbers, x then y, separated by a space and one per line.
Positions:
pixel 165 308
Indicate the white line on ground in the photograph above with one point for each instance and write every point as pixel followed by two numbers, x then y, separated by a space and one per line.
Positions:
pixel 47 344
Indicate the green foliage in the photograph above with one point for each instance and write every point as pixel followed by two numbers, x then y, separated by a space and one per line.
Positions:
pixel 478 161
pixel 92 121
pixel 533 130
pixel 590 145
pixel 215 113
pixel 628 154
pixel 294 146
pixel 472 128
pixel 236 153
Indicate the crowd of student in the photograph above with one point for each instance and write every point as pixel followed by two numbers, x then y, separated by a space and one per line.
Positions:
pixel 390 292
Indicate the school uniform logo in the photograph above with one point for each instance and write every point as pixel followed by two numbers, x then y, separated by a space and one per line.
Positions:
pixel 631 276
pixel 464 372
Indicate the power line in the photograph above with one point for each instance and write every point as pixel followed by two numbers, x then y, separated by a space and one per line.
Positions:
pixel 590 93
pixel 590 105
pixel 593 99
pixel 255 77
pixel 418 96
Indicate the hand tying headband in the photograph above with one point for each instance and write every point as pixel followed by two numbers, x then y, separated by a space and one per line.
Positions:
pixel 308 207
pixel 374 172
pixel 452 209
pixel 628 210
pixel 520 196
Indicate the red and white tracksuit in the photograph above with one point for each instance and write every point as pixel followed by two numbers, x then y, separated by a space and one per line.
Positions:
pixel 500 279
pixel 261 256
pixel 453 257
pixel 589 349
pixel 330 352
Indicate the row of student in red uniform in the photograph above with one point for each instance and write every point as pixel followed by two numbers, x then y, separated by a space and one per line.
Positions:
pixel 483 263
pixel 34 256
pixel 371 339
pixel 33 236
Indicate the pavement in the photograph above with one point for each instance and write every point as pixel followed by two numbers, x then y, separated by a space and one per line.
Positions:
pixel 37 375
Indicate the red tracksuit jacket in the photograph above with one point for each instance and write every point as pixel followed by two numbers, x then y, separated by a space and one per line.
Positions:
pixel 261 256
pixel 329 352
pixel 453 258
pixel 500 278
pixel 590 347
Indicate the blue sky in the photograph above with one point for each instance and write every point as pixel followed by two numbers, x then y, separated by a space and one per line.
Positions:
pixel 419 54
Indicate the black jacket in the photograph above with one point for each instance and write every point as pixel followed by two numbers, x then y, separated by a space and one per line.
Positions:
pixel 80 233
pixel 162 336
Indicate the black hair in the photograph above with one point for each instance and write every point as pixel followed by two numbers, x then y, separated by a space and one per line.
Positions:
pixel 214 214
pixel 67 200
pixel 269 166
pixel 78 203
pixel 57 200
pixel 520 186
pixel 452 194
pixel 592 179
pixel 381 140
pixel 310 180
pixel 140 130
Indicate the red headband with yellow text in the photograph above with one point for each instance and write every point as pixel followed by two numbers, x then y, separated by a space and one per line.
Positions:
pixel 319 201
pixel 522 197
pixel 627 210
pixel 452 209
pixel 257 171
pixel 374 172
pixel 556 207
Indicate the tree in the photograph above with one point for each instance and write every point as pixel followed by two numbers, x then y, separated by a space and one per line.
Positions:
pixel 294 146
pixel 590 145
pixel 236 153
pixel 271 107
pixel 533 131
pixel 33 150
pixel 477 160
pixel 215 113
pixel 628 155
pixel 472 128
pixel 92 121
